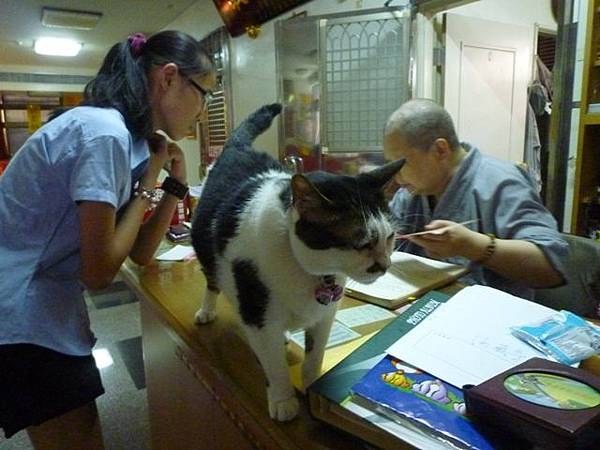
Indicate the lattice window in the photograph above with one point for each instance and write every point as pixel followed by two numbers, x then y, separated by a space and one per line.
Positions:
pixel 216 126
pixel 365 76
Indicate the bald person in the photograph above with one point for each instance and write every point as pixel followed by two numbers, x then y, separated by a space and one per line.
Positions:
pixel 482 212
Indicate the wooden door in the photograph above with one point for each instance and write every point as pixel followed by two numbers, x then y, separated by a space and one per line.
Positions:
pixel 487 70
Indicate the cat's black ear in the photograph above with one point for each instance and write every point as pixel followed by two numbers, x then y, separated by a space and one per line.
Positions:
pixel 379 177
pixel 307 199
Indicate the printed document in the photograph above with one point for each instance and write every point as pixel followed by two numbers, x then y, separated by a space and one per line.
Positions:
pixel 467 340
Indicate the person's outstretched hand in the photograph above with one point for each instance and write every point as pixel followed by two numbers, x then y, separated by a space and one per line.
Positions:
pixel 446 239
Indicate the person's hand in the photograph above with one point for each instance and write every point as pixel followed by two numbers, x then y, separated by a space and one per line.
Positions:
pixel 165 155
pixel 176 163
pixel 447 239
pixel 159 156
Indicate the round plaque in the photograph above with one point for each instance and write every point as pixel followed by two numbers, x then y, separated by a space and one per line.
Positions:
pixel 554 391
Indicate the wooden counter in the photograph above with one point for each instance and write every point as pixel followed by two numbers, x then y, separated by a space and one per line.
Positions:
pixel 205 388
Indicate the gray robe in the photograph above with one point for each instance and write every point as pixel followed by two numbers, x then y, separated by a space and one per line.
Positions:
pixel 502 199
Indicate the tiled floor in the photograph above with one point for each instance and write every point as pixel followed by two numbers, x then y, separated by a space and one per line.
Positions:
pixel 123 409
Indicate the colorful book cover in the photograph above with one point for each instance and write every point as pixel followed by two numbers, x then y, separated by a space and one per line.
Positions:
pixel 336 383
pixel 402 392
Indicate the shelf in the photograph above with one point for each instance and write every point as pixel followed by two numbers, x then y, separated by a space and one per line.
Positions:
pixel 23 106
pixel 587 170
pixel 591 119
pixel 18 124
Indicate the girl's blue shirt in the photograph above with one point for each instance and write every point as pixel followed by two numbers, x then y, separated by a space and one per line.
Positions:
pixel 85 154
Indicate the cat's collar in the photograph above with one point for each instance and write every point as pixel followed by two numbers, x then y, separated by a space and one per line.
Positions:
pixel 328 291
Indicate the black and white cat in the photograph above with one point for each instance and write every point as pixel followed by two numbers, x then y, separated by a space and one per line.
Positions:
pixel 280 247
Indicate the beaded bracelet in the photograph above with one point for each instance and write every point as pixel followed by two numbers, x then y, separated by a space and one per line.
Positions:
pixel 151 195
pixel 489 250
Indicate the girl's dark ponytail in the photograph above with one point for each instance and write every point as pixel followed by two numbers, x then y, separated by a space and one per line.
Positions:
pixel 122 81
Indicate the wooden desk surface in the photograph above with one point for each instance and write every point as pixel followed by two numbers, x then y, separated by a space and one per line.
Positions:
pixel 174 291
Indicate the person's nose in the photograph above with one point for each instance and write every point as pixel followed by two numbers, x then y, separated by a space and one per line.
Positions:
pixel 398 177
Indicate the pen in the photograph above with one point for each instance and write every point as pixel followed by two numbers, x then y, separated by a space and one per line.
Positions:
pixel 436 230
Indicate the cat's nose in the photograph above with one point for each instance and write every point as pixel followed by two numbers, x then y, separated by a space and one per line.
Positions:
pixel 378 267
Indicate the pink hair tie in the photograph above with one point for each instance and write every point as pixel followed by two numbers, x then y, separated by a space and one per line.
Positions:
pixel 137 42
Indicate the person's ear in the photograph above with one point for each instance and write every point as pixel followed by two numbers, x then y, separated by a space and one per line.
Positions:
pixel 168 74
pixel 442 148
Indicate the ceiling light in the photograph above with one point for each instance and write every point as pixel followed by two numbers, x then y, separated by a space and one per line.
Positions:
pixel 67 18
pixel 57 47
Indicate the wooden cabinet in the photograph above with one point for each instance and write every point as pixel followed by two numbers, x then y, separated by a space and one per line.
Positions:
pixel 205 388
pixel 586 210
pixel 185 411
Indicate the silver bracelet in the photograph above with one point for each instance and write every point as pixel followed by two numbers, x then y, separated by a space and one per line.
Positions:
pixel 153 195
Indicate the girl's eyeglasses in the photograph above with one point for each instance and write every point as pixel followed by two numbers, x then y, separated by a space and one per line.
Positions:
pixel 206 95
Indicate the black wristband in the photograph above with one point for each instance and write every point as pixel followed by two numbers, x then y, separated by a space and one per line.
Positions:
pixel 174 187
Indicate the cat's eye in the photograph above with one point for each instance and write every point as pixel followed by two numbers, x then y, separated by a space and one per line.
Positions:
pixel 390 237
pixel 366 246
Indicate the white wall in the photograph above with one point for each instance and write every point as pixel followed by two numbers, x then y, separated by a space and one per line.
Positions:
pixel 42 87
pixel 517 12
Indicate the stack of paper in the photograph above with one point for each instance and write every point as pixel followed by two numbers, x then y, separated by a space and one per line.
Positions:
pixel 177 253
pixel 468 339
pixel 465 340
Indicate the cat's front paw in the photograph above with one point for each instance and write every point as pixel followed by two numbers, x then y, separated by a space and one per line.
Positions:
pixel 284 410
pixel 204 316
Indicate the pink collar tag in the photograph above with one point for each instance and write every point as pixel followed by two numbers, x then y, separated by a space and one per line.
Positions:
pixel 328 291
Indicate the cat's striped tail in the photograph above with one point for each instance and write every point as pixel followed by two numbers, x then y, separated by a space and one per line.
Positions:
pixel 254 125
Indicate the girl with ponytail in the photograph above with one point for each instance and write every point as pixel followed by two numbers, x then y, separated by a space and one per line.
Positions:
pixel 72 207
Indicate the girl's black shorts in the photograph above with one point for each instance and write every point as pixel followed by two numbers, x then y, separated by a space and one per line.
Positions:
pixel 38 384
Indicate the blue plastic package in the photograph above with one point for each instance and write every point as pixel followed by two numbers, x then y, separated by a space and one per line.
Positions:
pixel 564 336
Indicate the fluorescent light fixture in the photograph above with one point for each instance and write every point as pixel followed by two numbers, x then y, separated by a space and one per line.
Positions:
pixel 102 357
pixel 68 18
pixel 56 46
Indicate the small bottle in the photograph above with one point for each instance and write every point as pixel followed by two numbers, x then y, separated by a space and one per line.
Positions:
pixel 593 216
pixel 593 199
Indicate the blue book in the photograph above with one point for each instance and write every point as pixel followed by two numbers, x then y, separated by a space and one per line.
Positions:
pixel 401 392
pixel 329 393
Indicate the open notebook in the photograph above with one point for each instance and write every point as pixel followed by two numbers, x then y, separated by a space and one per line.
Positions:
pixel 409 276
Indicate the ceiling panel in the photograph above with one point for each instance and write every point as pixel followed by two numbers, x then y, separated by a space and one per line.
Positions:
pixel 20 25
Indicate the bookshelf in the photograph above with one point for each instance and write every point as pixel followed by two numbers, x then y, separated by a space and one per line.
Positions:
pixel 586 210
pixel 14 117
